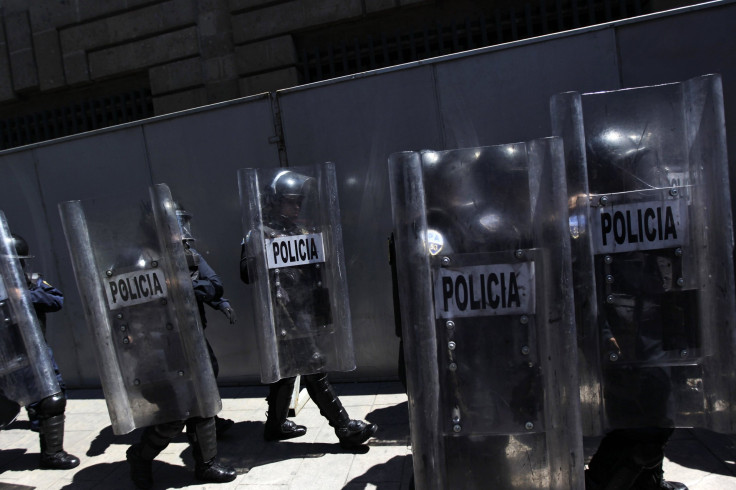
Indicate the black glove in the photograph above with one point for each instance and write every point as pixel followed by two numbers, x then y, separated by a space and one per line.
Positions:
pixel 229 313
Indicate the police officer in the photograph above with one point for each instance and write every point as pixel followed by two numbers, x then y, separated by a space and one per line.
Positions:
pixel 201 432
pixel 284 199
pixel 637 311
pixel 47 415
pixel 207 284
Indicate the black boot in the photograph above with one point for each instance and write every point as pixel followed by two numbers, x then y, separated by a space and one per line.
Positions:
pixel 51 436
pixel 351 433
pixel 214 472
pixel 203 439
pixel 278 428
pixel 140 456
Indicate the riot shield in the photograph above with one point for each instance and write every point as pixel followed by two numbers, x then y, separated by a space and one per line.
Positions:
pixel 652 245
pixel 133 279
pixel 484 276
pixel 293 245
pixel 26 371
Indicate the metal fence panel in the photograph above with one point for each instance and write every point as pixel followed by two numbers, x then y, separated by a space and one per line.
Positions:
pixel 198 156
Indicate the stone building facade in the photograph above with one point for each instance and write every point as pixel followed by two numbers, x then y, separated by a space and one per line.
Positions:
pixel 73 65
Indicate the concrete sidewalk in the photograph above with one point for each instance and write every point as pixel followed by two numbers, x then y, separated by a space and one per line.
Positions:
pixel 701 459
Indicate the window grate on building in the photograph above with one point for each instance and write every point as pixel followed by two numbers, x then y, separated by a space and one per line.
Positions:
pixel 76 118
pixel 511 24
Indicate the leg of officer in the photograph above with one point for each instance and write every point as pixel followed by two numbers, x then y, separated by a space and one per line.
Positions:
pixel 49 413
pixel 203 440
pixel 278 427
pixel 351 433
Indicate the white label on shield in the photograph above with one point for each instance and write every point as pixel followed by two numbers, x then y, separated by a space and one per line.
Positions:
pixel 134 288
pixel 288 251
pixel 485 290
pixel 640 226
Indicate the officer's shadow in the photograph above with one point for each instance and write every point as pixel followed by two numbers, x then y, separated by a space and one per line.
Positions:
pixel 244 448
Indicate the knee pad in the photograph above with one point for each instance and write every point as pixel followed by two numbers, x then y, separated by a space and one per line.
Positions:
pixel 51 406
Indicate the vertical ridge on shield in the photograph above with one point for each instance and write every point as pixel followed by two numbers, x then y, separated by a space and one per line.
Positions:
pixel 90 287
pixel 418 324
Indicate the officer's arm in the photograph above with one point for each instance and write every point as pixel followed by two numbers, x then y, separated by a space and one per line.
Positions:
pixel 45 297
pixel 207 286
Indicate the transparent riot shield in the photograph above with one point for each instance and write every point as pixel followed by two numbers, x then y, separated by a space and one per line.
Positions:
pixel 135 284
pixel 293 245
pixel 484 277
pixel 26 371
pixel 651 221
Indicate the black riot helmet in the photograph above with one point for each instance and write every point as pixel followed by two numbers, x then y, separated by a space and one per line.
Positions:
pixel 621 160
pixel 21 247
pixel 288 188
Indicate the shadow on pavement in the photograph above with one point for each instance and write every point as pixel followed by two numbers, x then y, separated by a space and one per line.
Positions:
pixel 703 450
pixel 17 460
pixel 382 476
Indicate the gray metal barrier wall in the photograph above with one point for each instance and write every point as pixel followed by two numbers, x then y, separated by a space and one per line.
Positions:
pixel 489 96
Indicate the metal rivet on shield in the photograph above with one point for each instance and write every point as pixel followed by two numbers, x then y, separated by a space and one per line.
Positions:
pixel 451 345
pixel 680 281
pixel 678 252
pixel 273 234
pixel 607 259
pixel 169 326
pixel 108 273
pixel 525 350
pixel 278 294
pixel 154 263
pixel 456 428
pixel 445 260
pixel 450 324
pixel 603 200
pixel 456 419
pixel 609 299
pixel 123 328
pixel 319 284
pixel 609 279
pixel 283 333
pixel 181 373
pixel 119 316
pixel 126 340
pixel 453 366
pixel 684 353
pixel 316 266
pixel 136 381
pixel 523 319
pixel 613 356
pixel 519 254
pixel 529 425
pixel 673 192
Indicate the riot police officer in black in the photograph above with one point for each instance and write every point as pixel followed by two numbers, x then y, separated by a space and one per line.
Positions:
pixel 47 415
pixel 201 432
pixel 284 200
